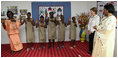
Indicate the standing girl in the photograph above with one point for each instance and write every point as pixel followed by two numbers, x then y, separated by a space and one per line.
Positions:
pixel 73 26
pixel 29 23
pixel 51 28
pixel 42 32
pixel 61 31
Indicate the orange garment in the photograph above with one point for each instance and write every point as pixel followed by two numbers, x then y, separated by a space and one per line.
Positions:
pixel 13 33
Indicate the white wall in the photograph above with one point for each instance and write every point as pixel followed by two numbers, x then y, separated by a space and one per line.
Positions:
pixel 20 4
pixel 77 7
pixel 80 7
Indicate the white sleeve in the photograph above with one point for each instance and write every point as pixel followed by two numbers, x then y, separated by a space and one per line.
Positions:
pixel 89 24
pixel 95 23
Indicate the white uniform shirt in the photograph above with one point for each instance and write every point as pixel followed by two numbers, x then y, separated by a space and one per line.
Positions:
pixel 93 21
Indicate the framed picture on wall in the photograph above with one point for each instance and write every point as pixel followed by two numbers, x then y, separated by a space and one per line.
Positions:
pixel 14 9
pixel 3 13
pixel 57 10
pixel 23 11
pixel 66 9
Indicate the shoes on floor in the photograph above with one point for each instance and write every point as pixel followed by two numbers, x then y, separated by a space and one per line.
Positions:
pixel 39 48
pixel 12 52
pixel 71 47
pixel 32 48
pixel 74 46
pixel 57 48
pixel 19 51
pixel 27 49
pixel 49 46
pixel 90 53
pixel 43 46
pixel 62 46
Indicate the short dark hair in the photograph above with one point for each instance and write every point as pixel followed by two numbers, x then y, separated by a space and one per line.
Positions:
pixel 51 12
pixel 10 12
pixel 41 17
pixel 29 13
pixel 94 9
pixel 110 8
pixel 73 18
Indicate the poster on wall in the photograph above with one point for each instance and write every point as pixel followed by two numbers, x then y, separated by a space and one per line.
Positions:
pixel 57 10
pixel 23 11
pixel 3 13
pixel 100 6
pixel 14 9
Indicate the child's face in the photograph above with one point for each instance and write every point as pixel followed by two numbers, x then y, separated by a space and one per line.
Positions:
pixel 73 18
pixel 62 17
pixel 28 15
pixel 51 14
pixel 41 19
